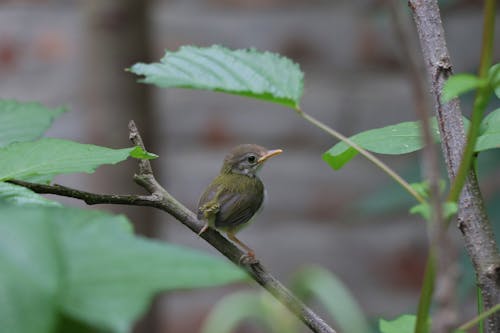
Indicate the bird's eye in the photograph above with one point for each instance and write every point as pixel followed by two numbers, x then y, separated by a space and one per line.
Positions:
pixel 251 158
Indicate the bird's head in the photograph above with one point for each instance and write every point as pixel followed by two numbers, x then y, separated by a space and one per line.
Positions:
pixel 247 159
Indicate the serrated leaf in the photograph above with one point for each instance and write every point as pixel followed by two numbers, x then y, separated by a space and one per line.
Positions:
pixel 21 196
pixel 490 132
pixel 21 121
pixel 402 324
pixel 245 72
pixel 88 266
pixel 318 283
pixel 459 84
pixel 141 154
pixel 396 139
pixel 50 156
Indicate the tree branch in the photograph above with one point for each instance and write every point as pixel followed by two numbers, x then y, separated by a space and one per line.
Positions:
pixel 445 315
pixel 472 218
pixel 159 198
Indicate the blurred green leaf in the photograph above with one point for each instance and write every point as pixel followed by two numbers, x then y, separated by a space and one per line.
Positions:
pixel 21 196
pixel 494 78
pixel 449 209
pixel 396 139
pixel 232 310
pixel 50 156
pixel 459 84
pixel 318 283
pixel 402 324
pixel 88 265
pixel 245 72
pixel 20 121
pixel 489 137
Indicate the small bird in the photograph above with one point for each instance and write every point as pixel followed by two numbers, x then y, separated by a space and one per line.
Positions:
pixel 236 194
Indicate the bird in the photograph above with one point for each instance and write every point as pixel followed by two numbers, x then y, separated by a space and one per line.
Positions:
pixel 233 198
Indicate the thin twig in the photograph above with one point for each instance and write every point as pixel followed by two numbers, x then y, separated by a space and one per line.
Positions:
pixel 472 218
pixel 161 199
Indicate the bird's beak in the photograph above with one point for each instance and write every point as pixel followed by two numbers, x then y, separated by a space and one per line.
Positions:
pixel 269 154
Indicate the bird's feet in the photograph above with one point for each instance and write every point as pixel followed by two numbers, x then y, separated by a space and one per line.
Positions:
pixel 205 227
pixel 248 259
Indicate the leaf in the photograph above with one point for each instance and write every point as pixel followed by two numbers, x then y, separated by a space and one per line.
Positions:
pixel 490 132
pixel 494 78
pixel 424 209
pixel 402 324
pixel 246 72
pixel 316 282
pixel 88 266
pixel 50 156
pixel 396 139
pixel 21 196
pixel 141 154
pixel 459 84
pixel 24 121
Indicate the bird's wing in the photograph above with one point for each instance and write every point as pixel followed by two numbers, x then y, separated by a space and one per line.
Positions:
pixel 236 209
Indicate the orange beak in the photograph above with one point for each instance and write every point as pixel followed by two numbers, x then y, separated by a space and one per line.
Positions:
pixel 270 154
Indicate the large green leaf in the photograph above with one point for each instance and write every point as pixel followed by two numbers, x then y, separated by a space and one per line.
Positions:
pixel 246 72
pixel 88 266
pixel 402 324
pixel 21 196
pixel 396 139
pixel 24 121
pixel 318 283
pixel 50 156
pixel 490 132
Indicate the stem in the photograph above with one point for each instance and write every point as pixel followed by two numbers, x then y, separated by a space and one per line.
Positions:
pixel 473 322
pixel 480 102
pixel 424 303
pixel 363 152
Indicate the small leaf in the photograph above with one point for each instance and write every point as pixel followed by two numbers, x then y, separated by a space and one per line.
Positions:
pixel 490 132
pixel 424 209
pixel 318 283
pixel 88 266
pixel 21 196
pixel 396 139
pixel 50 156
pixel 141 154
pixel 246 72
pixel 402 324
pixel 494 78
pixel 24 121
pixel 459 84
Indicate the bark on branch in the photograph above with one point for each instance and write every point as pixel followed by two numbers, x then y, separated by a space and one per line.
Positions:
pixel 472 218
pixel 159 198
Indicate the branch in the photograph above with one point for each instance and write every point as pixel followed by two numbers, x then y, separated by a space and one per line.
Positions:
pixel 159 198
pixel 442 252
pixel 472 219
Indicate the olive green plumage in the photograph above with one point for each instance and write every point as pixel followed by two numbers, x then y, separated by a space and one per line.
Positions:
pixel 237 193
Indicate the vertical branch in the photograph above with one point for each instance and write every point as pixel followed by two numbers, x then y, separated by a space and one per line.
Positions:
pixel 472 218
pixel 442 253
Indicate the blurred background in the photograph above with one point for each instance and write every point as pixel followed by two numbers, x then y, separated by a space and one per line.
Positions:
pixel 354 222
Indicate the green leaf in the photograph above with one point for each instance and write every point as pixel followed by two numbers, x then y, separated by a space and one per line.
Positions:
pixel 245 72
pixel 490 132
pixel 402 324
pixel 141 154
pixel 50 156
pixel 459 84
pixel 88 266
pixel 424 209
pixel 494 78
pixel 396 139
pixel 21 196
pixel 316 282
pixel 24 121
